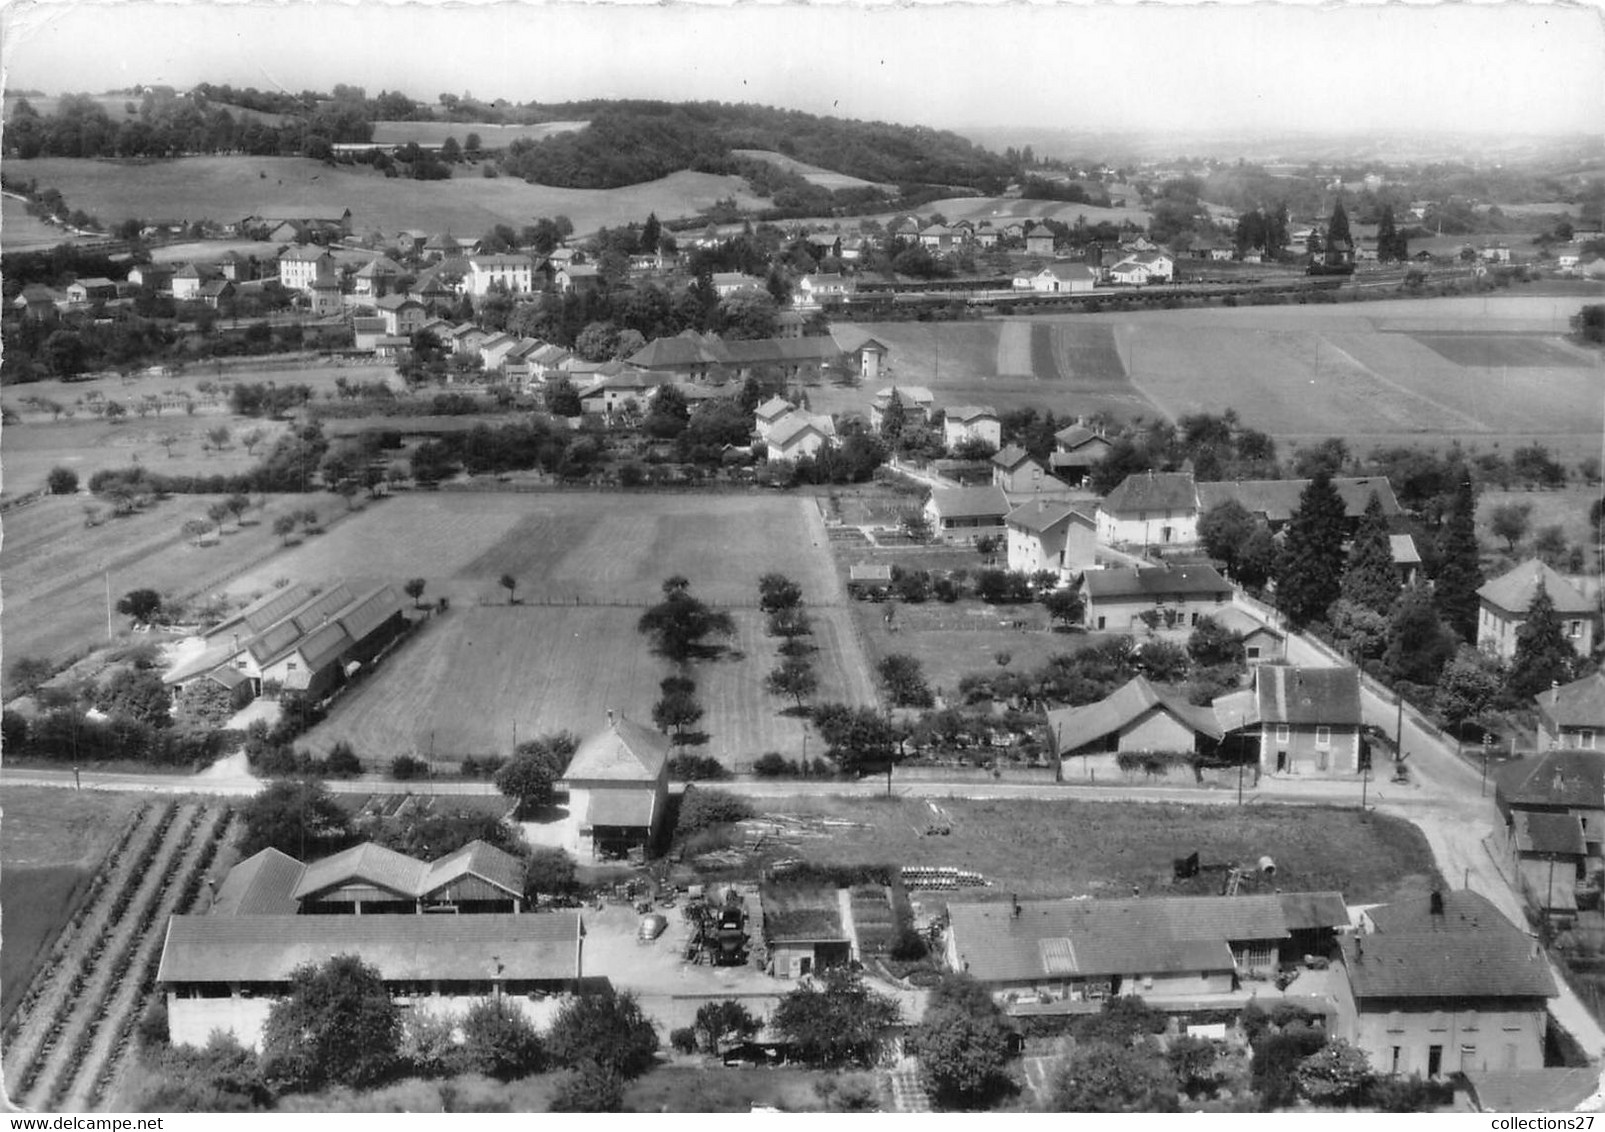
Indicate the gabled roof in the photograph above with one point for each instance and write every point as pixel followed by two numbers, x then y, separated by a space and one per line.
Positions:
pixel 1077 435
pixel 1307 911
pixel 850 339
pixel 323 646
pixel 1514 590
pixel 916 395
pixel 671 353
pixel 1403 549
pixel 964 414
pixel 1038 516
pixel 479 859
pixel 307 254
pixel 1277 500
pixel 1561 778
pixel 1241 621
pixel 1070 272
pixel 789 428
pixel 970 502
pixel 1155 582
pixel 773 409
pixel 1469 950
pixel 321 609
pixel 368 863
pixel 622 752
pixel 1578 704
pixel 540 947
pixel 1011 457
pixel 500 262
pixel 1152 491
pixel 261 885
pixel 1325 697
pixel 1137 698
pixel 1095 938
pixel 1532 1090
pixel 396 302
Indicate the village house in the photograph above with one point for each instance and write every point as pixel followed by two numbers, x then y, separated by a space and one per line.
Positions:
pixel 800 434
pixel 188 280
pixel 1443 984
pixel 511 272
pixel 1554 817
pixel 765 415
pixel 1176 953
pixel 1573 715
pixel 1015 471
pixel 618 789
pixel 819 288
pixel 1150 509
pixel 963 514
pixel 727 283
pixel 916 400
pixel 1309 720
pixel 323 297
pixel 577 278
pixel 300 267
pixel 1050 535
pixel 38 302
pixel 1065 278
pixel 617 388
pixel 366 332
pixel 95 289
pixel 376 278
pixel 1506 599
pixel 1144 268
pixel 403 315
pixel 1117 599
pixel 1262 643
pixel 1136 717
pixel 1274 502
pixel 1076 449
pixel 941 239
pixel 863 357
pixel 1039 241
pixel 963 423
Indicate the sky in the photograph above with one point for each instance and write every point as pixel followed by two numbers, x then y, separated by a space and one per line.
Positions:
pixel 1510 69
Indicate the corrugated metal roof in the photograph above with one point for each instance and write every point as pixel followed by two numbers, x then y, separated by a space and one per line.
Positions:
pixel 274 643
pixel 258 949
pixel 324 646
pixel 321 610
pixel 371 612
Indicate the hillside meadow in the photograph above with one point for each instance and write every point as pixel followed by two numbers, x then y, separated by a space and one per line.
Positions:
pixel 228 188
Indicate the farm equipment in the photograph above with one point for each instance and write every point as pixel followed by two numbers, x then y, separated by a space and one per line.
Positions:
pixel 719 930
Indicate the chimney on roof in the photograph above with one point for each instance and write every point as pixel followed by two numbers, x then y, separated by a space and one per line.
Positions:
pixel 1014 900
pixel 1436 904
pixel 610 720
pixel 1359 948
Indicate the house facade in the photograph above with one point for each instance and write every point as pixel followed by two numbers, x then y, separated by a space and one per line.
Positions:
pixel 964 514
pixel 1309 720
pixel 972 422
pixel 512 272
pixel 618 788
pixel 1178 596
pixel 800 434
pixel 1150 509
pixel 1015 471
pixel 1573 715
pixel 299 267
pixel 1051 536
pixel 1505 600
pixel 1136 717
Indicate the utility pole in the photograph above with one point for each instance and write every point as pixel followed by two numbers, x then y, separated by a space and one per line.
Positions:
pixel 108 603
pixel 1487 740
pixel 1365 782
pixel 1398 732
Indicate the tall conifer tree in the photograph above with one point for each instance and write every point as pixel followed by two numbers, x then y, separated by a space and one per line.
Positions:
pixel 1543 656
pixel 1459 570
pixel 1369 578
pixel 1309 572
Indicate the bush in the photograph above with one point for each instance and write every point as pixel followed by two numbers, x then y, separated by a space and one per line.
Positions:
pixel 404 768
pixel 499 1042
pixel 908 945
pixel 683 1039
pixel 342 761
pixel 700 809
pixel 62 481
pixel 697 768
pixel 590 1088
pixel 772 764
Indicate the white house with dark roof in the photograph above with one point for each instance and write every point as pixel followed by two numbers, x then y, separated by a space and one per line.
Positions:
pixel 963 514
pixel 1065 278
pixel 1309 720
pixel 1505 600
pixel 618 789
pixel 403 315
pixel 812 290
pixel 1051 535
pixel 1150 509
pixel 1015 470
pixel 1442 984
pixel 971 422
pixel 1117 599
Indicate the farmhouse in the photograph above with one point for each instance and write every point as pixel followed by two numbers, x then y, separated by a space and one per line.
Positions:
pixel 226 972
pixel 1178 596
pixel 962 514
pixel 1309 720
pixel 1076 449
pixel 1135 717
pixel 1150 508
pixel 1056 536
pixel 1175 952
pixel 1573 715
pixel 1443 984
pixel 1275 501
pixel 1506 599
pixel 972 422
pixel 618 789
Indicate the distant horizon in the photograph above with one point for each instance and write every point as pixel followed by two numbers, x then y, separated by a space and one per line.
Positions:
pixel 1498 71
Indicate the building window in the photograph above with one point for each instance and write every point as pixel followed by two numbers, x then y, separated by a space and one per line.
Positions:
pixel 1585 739
pixel 1323 736
pixel 1283 733
pixel 289 666
pixel 1396 1062
pixel 1574 629
pixel 1252 652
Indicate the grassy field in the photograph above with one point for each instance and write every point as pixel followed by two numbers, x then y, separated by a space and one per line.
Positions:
pixel 57 570
pixel 1485 371
pixel 50 844
pixel 588 566
pixel 25 233
pixel 230 187
pixel 813 174
pixel 1067 848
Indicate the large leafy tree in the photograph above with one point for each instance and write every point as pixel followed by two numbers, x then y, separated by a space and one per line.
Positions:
pixel 962 1043
pixel 607 1030
pixel 141 605
pixel 777 592
pixel 860 740
pixel 1103 1077
pixel 1369 578
pixel 500 1042
pixel 338 1025
pixel 531 774
pixel 1309 570
pixel 1467 685
pixel 298 818
pixel 1459 571
pixel 1224 530
pixel 1543 655
pixel 1419 644
pixel 680 624
pixel 136 694
pixel 835 1020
